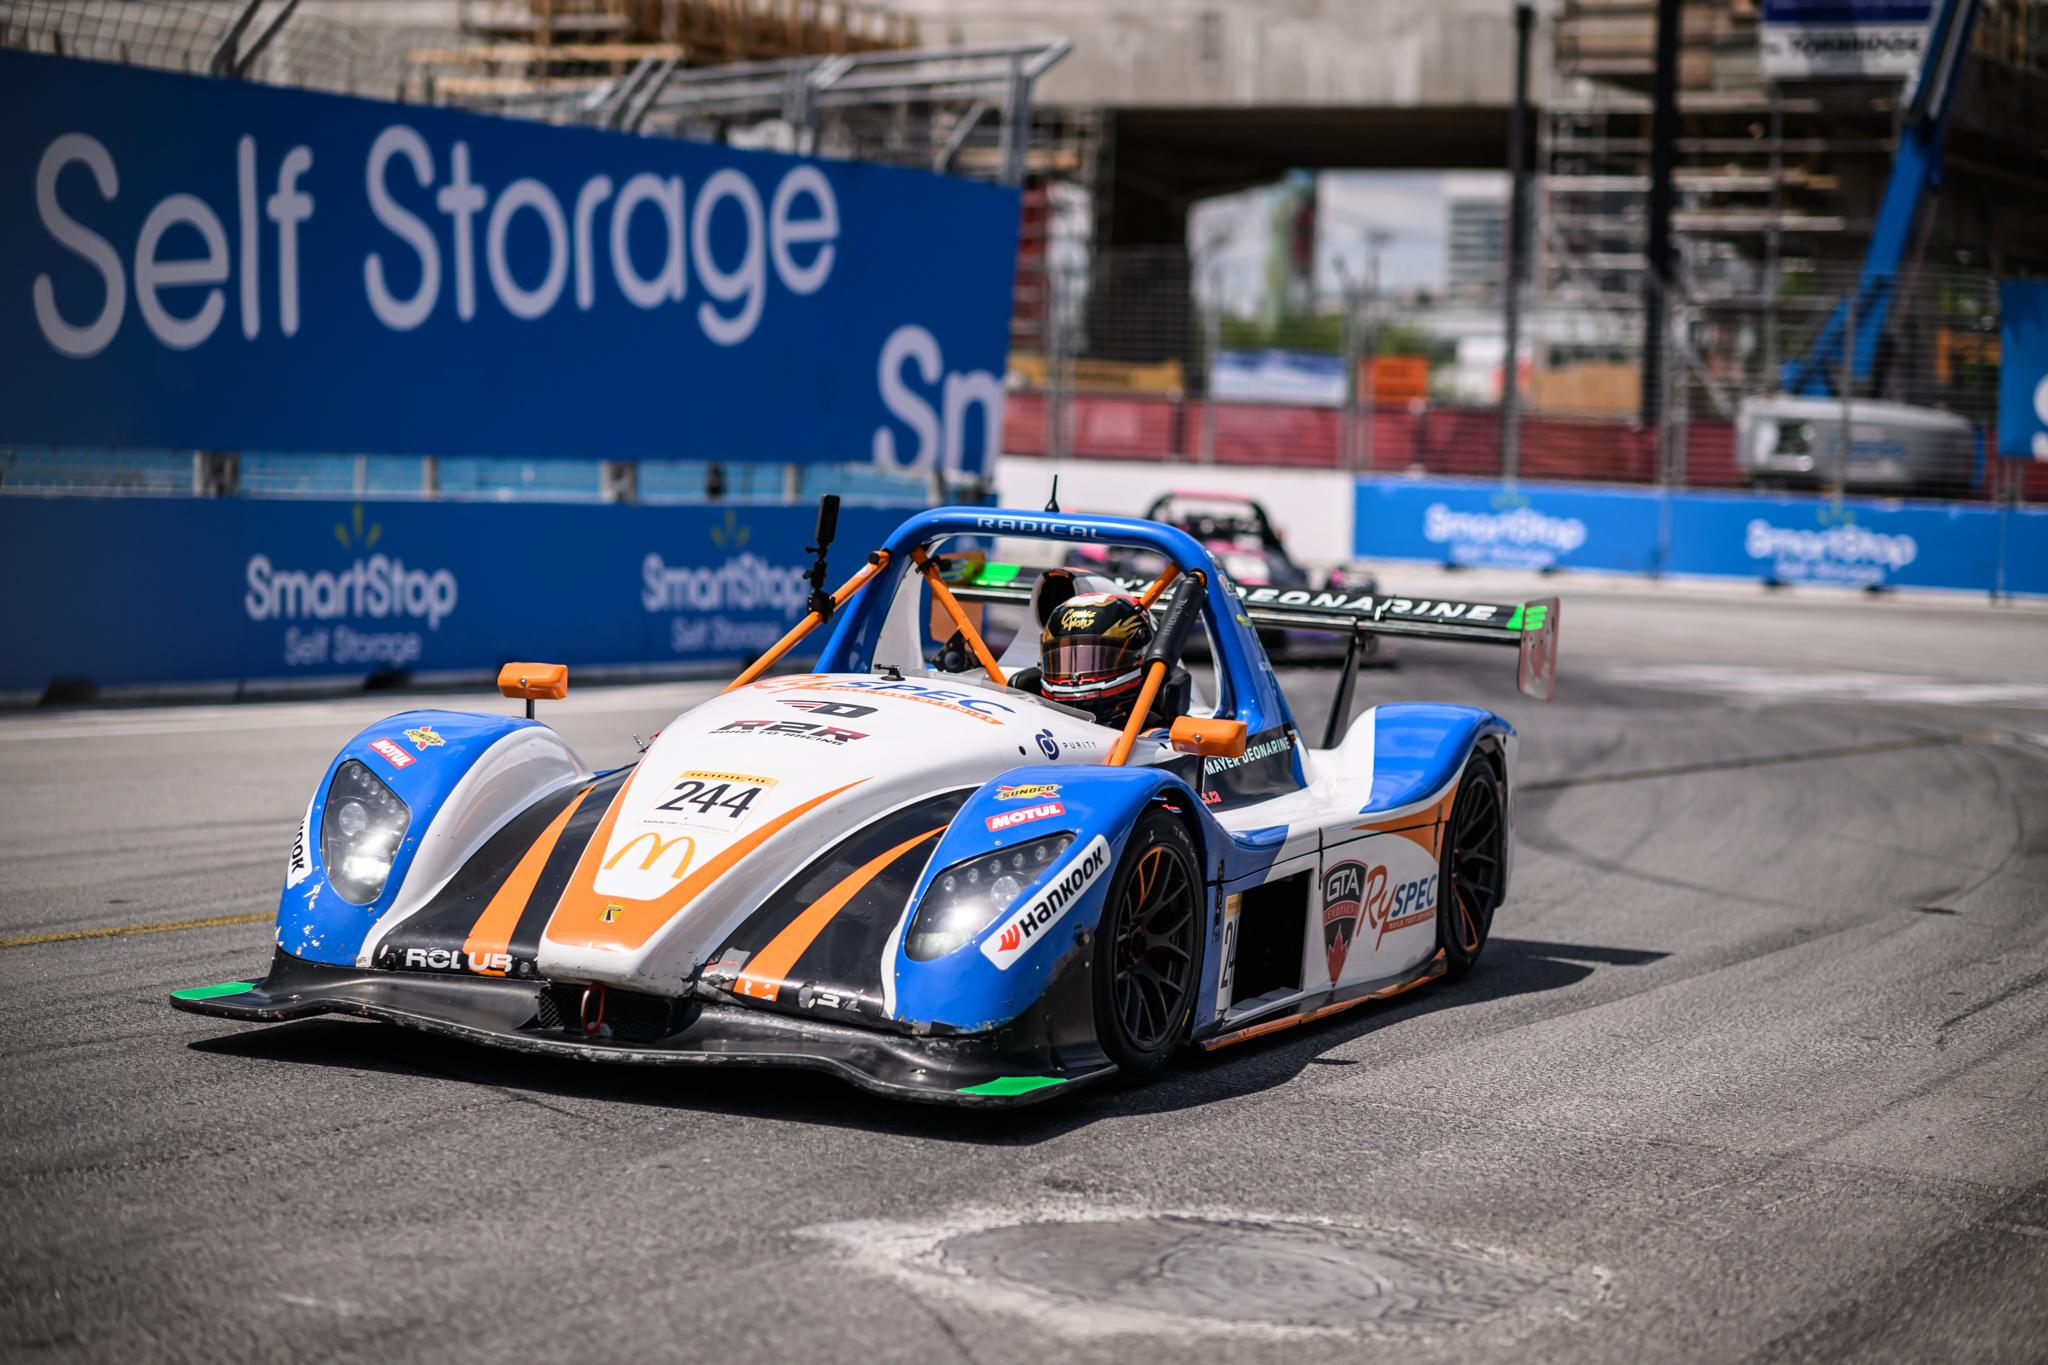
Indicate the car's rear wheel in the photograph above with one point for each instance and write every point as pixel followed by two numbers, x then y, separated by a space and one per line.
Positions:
pixel 1473 870
pixel 1148 946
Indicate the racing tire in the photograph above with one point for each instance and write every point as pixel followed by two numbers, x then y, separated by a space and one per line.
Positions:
pixel 1472 872
pixel 1148 946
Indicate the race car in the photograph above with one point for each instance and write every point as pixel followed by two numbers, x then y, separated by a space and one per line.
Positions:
pixel 933 884
pixel 1236 531
pixel 1240 536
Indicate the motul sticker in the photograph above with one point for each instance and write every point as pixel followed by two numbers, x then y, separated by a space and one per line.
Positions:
pixel 393 754
pixel 1015 935
pixel 997 823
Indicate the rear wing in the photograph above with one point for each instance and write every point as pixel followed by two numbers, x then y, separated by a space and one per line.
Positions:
pixel 1529 627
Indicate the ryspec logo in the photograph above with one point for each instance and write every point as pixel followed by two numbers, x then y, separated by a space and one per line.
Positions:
pixel 1026 926
pixel 1391 905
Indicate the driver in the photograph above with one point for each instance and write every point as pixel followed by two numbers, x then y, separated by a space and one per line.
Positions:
pixel 1091 656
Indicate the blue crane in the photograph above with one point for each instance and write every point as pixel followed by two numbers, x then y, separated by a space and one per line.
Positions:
pixel 1916 167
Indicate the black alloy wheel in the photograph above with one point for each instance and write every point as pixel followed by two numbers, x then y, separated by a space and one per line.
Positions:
pixel 1148 946
pixel 1473 870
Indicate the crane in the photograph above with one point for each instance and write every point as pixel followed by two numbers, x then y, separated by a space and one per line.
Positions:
pixel 1916 168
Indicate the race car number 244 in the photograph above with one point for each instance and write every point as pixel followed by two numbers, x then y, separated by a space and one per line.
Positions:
pixel 711 803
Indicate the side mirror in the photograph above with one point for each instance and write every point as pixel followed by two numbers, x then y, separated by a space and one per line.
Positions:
pixel 534 680
pixel 1209 738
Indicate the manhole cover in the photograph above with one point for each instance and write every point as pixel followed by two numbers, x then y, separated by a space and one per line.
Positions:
pixel 1275 1273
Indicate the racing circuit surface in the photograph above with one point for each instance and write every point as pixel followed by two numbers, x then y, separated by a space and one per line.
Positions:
pixel 1753 1069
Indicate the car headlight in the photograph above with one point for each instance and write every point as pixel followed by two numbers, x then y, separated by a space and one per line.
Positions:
pixel 359 833
pixel 966 898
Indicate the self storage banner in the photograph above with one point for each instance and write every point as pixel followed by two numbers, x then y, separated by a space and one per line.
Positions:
pixel 2023 368
pixel 208 264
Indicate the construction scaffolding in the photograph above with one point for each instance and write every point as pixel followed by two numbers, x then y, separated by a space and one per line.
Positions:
pixel 570 46
pixel 1778 184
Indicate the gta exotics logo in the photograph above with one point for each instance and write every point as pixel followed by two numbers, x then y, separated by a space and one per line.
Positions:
pixel 1024 927
pixel 1343 892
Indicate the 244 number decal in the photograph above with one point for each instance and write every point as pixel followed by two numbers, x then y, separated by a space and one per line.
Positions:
pixel 715 803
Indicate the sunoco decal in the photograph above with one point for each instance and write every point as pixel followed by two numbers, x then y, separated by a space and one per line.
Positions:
pixel 1015 935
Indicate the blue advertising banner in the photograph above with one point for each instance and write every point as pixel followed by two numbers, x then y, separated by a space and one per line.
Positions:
pixel 1869 544
pixel 1485 525
pixel 1842 38
pixel 1783 538
pixel 160 590
pixel 2023 368
pixel 210 264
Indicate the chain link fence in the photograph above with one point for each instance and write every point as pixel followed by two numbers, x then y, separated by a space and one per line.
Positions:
pixel 278 45
pixel 1137 364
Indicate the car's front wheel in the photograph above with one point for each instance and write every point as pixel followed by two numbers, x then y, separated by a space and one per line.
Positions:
pixel 1147 947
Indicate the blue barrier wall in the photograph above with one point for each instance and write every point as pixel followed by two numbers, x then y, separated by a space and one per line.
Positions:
pixel 144 590
pixel 212 264
pixel 1783 537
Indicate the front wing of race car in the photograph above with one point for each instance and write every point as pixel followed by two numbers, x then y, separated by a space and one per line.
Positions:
pixel 1022 1064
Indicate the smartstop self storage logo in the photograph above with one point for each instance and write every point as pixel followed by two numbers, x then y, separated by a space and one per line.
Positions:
pixel 701 595
pixel 1848 554
pixel 347 614
pixel 1520 539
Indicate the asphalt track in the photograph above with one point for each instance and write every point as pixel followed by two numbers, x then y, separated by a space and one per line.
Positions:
pixel 1753 1070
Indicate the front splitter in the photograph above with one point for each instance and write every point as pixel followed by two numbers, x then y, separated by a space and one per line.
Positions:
pixel 970 1071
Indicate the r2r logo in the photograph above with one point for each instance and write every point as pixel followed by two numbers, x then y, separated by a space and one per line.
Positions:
pixel 791 729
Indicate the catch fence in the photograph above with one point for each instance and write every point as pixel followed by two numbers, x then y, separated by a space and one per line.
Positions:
pixel 1140 364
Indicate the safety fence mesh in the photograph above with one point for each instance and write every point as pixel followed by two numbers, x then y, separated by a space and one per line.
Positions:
pixel 1141 357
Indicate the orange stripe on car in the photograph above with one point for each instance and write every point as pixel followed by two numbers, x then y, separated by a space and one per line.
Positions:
pixel 764 975
pixel 1435 969
pixel 1424 827
pixel 584 919
pixel 492 932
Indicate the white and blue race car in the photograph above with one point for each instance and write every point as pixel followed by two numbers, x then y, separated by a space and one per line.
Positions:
pixel 930 883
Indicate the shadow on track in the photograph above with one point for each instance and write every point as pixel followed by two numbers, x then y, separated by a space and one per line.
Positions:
pixel 1511 967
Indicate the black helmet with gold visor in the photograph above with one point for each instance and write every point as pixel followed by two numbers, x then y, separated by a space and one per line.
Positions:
pixel 1092 652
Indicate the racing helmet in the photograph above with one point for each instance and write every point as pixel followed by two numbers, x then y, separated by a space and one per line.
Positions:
pixel 1091 653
